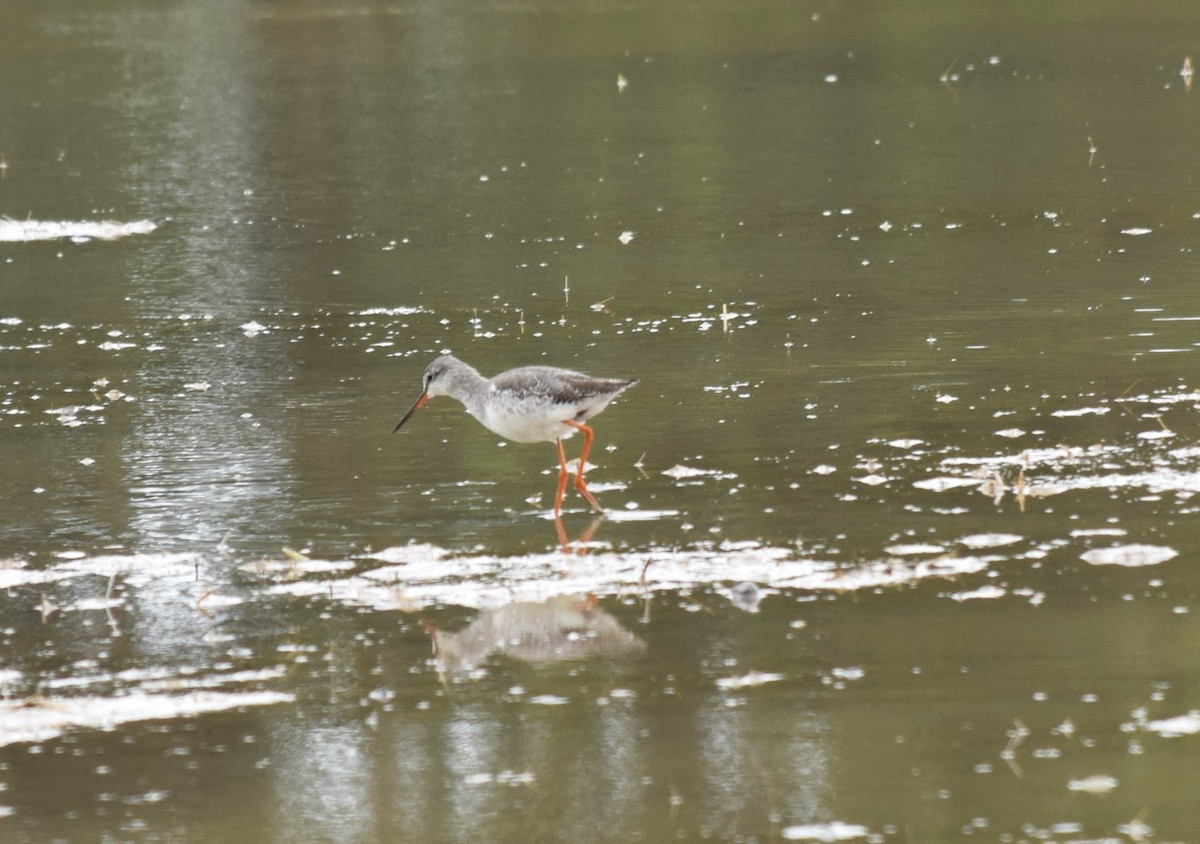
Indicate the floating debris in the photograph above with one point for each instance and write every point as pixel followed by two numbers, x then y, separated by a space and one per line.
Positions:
pixel 631 514
pixel 679 472
pixel 944 483
pixel 1010 433
pixel 983 593
pixel 549 700
pixel 19 575
pixel 512 778
pixel 746 681
pixel 914 549
pixel 1082 411
pixel 1136 830
pixel 1129 555
pixel 41 719
pixel 295 567
pixel 990 540
pixel 418 552
pixel 872 480
pixel 1095 784
pixel 746 596
pixel 1180 725
pixel 28 230
pixel 824 832
pixel 47 609
pixel 140 566
pixel 429 575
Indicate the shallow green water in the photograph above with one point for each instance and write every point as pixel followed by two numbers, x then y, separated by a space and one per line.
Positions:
pixel 909 292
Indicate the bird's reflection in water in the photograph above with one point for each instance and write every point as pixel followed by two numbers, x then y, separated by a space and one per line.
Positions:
pixel 567 627
pixel 588 534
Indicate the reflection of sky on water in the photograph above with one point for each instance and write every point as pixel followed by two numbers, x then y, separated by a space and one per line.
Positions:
pixel 200 464
pixel 760 761
pixel 565 771
pixel 562 752
pixel 324 779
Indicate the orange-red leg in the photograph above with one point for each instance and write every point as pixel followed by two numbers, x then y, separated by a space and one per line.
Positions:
pixel 563 474
pixel 583 455
pixel 584 538
pixel 563 541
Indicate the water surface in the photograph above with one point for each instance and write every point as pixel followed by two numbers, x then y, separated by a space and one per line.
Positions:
pixel 900 527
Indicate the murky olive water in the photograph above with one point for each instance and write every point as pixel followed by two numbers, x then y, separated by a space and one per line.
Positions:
pixel 901 511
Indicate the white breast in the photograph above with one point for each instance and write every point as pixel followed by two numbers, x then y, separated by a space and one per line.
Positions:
pixel 528 424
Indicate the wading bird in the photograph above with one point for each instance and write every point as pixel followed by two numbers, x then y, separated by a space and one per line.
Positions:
pixel 530 404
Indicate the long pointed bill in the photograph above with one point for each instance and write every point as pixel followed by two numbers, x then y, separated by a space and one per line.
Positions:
pixel 417 406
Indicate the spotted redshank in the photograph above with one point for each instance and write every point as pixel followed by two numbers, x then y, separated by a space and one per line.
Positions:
pixel 530 404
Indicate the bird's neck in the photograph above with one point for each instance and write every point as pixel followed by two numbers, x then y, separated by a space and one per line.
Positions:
pixel 465 384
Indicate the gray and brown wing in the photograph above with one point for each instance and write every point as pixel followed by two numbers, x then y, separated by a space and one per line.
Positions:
pixel 560 386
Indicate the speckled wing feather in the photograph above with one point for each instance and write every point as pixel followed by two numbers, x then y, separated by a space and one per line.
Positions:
pixel 559 385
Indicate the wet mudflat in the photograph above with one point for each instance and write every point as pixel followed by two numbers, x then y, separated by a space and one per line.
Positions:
pixel 900 538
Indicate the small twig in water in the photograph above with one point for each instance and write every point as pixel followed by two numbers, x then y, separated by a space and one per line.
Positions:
pixel 200 601
pixel 1016 737
pixel 946 78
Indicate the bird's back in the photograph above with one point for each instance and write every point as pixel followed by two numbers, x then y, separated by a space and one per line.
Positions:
pixel 529 404
pixel 558 386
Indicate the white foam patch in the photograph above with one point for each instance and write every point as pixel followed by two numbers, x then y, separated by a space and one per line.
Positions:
pixel 914 549
pixel 983 593
pixel 1180 725
pixel 639 515
pixel 1095 784
pixel 44 719
pixel 746 681
pixel 26 230
pixel 297 567
pixel 429 576
pixel 942 484
pixel 1082 411
pixel 825 832
pixel 10 577
pixel 133 565
pixel 1129 555
pixel 990 540
pixel 679 473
